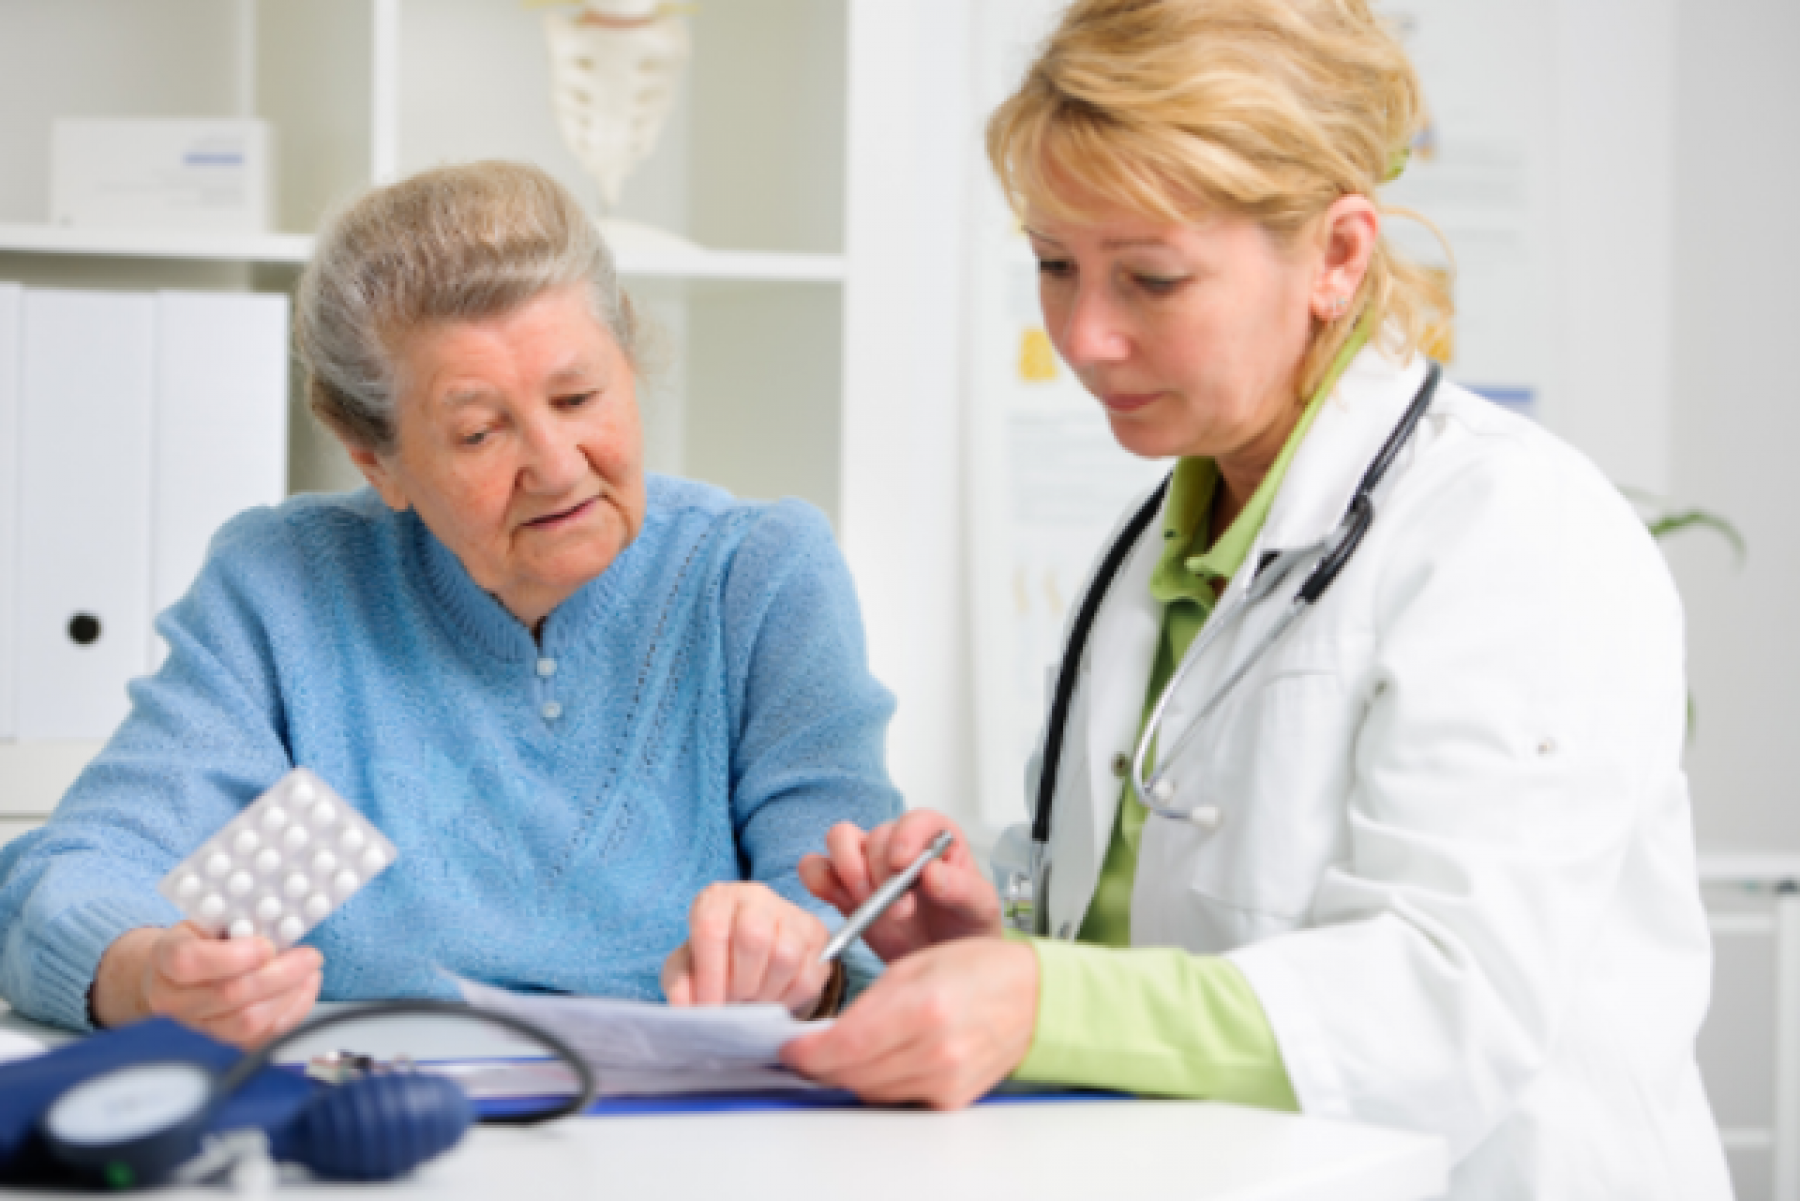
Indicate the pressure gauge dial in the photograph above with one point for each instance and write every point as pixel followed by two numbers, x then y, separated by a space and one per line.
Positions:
pixel 131 1127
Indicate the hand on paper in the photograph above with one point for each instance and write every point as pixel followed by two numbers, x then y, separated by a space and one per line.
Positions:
pixel 239 991
pixel 952 899
pixel 748 944
pixel 940 1027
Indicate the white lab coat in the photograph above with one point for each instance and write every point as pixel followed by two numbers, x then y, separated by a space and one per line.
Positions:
pixel 1456 859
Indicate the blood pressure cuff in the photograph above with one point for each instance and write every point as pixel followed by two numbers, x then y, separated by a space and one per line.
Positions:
pixel 28 1087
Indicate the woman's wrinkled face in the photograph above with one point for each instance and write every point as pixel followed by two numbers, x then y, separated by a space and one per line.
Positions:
pixel 1190 335
pixel 518 445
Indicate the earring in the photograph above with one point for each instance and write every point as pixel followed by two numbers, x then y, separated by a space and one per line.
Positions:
pixel 1338 305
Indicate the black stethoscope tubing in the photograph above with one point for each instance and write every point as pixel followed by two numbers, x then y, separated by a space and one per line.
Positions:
pixel 1358 517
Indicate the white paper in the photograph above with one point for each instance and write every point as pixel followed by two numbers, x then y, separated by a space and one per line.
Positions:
pixel 1483 172
pixel 14 1045
pixel 638 1036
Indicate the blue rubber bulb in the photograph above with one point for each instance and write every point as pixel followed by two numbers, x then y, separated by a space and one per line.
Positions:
pixel 379 1127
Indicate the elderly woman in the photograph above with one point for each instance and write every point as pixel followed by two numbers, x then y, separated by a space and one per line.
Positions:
pixel 1421 857
pixel 573 695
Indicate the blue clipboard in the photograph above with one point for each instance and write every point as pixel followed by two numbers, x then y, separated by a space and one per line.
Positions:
pixel 774 1099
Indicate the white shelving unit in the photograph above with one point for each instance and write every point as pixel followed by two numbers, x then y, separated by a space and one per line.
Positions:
pixel 155 244
pixel 1770 882
pixel 748 266
pixel 814 164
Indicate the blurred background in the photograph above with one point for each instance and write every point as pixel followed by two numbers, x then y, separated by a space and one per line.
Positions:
pixel 847 314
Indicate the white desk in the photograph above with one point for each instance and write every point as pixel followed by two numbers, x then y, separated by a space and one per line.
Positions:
pixel 1036 1152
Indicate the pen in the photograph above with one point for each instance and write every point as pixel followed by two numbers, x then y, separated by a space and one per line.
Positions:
pixel 881 898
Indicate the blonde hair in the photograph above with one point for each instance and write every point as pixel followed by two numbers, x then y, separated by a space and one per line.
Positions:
pixel 452 244
pixel 1268 109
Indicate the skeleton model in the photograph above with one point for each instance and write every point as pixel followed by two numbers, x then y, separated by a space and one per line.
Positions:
pixel 614 69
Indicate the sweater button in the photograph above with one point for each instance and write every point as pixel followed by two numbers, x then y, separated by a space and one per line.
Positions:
pixel 546 668
pixel 551 711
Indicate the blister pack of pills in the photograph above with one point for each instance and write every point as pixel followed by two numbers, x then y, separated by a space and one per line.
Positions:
pixel 282 866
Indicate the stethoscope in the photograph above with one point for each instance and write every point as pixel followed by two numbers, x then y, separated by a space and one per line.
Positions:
pixel 1155 788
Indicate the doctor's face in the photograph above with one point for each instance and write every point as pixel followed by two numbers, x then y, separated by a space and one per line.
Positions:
pixel 1190 335
pixel 519 447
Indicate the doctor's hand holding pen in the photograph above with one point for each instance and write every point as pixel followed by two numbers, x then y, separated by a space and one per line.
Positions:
pixel 952 898
pixel 952 1015
pixel 954 1012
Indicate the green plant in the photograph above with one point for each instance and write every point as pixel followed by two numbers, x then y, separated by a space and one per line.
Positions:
pixel 1666 522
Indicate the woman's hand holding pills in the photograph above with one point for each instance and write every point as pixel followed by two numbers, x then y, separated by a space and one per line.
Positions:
pixel 239 990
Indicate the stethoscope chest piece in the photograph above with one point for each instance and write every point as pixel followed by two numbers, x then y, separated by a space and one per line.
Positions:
pixel 1203 817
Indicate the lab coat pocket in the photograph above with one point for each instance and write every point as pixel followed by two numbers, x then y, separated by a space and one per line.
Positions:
pixel 1276 766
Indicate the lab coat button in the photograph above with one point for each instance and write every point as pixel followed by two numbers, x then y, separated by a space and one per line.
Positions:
pixel 546 667
pixel 1121 764
pixel 551 711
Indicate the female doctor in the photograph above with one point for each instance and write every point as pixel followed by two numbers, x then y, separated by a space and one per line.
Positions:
pixel 1422 857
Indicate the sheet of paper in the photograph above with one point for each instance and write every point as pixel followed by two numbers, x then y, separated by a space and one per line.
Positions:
pixel 615 1034
pixel 14 1045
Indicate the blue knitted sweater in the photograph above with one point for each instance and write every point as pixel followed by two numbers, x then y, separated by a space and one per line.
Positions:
pixel 702 711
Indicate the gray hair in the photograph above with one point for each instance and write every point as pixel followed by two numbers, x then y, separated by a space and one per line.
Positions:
pixel 451 244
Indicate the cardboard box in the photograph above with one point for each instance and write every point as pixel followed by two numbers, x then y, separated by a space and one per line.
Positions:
pixel 213 174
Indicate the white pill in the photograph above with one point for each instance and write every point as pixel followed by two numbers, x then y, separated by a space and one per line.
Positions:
pixel 324 863
pixel 213 907
pixel 269 908
pixel 290 927
pixel 296 837
pixel 317 906
pixel 302 791
pixel 274 817
pixel 345 881
pixel 267 860
pixel 218 864
pixel 323 814
pixel 239 884
pixel 351 840
pixel 242 928
pixel 296 886
pixel 373 860
pixel 189 888
pixel 246 842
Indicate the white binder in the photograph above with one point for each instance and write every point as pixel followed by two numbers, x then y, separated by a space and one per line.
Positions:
pixel 83 623
pixel 9 503
pixel 220 440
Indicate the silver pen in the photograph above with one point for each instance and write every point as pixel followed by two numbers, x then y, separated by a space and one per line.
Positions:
pixel 881 898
